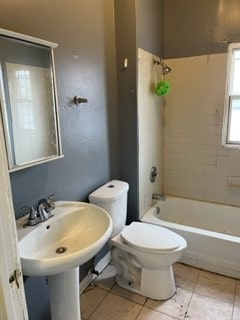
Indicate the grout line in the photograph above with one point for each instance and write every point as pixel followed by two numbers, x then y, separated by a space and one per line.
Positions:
pixel 185 316
pixel 193 291
pixel 146 301
pixel 213 297
pixel 204 295
pixel 98 305
pixel 161 312
pixel 235 292
pixel 98 285
pixel 195 285
pixel 139 313
pixel 119 295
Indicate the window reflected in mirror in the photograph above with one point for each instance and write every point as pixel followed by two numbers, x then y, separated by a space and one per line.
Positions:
pixel 28 102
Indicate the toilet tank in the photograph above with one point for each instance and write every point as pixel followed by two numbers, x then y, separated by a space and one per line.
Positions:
pixel 112 197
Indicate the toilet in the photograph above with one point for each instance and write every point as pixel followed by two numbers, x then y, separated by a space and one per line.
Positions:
pixel 143 253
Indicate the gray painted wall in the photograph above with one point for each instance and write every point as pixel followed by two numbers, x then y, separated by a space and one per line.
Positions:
pixel 86 66
pixel 139 23
pixel 194 27
pixel 125 20
pixel 149 25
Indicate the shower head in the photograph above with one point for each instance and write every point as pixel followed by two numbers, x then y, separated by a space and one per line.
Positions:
pixel 166 69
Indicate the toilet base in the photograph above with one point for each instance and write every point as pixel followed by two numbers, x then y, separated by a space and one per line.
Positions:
pixel 158 284
pixel 154 284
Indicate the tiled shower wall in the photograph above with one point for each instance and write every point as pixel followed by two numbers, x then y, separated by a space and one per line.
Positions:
pixel 150 129
pixel 195 164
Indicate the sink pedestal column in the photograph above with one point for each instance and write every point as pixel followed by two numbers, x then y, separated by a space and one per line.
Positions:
pixel 64 295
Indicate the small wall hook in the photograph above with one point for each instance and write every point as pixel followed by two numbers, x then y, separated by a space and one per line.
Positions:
pixel 77 100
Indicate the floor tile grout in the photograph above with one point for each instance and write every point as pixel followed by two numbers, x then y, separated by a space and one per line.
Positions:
pixel 118 295
pixel 193 291
pixel 139 312
pixel 99 303
pixel 235 292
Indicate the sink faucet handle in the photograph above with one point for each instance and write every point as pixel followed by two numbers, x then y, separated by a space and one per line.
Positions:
pixel 51 196
pixel 31 210
pixel 27 208
pixel 50 203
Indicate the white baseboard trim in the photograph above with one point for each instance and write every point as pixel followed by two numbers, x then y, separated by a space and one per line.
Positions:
pixel 100 266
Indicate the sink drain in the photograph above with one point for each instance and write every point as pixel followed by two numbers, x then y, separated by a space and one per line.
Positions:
pixel 61 250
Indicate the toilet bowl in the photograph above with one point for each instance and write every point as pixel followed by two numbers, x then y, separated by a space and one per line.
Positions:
pixel 144 262
pixel 143 253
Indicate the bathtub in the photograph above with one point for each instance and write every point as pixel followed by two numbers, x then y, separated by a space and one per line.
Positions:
pixel 212 232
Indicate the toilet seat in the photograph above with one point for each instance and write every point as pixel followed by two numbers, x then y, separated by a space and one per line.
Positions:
pixel 150 238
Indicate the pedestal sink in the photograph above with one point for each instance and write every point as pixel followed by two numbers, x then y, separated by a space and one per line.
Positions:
pixel 57 247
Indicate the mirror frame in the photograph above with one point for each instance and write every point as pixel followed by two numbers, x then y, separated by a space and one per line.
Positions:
pixel 59 154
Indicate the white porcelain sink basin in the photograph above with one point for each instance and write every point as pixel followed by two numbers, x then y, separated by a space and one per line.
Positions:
pixel 75 233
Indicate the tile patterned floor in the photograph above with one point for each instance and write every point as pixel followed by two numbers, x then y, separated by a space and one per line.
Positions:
pixel 200 295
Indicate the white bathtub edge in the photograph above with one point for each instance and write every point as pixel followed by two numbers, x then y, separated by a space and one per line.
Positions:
pixel 207 250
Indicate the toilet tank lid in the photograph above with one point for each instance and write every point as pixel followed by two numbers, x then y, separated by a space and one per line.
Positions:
pixel 149 237
pixel 110 191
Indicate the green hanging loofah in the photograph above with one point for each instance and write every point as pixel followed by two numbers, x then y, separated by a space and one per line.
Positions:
pixel 162 88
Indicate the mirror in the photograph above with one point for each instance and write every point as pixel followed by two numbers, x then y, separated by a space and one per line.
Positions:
pixel 28 100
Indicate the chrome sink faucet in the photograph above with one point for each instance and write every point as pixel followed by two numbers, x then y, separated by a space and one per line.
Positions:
pixel 42 212
pixel 45 208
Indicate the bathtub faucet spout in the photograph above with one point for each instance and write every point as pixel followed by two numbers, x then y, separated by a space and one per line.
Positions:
pixel 158 196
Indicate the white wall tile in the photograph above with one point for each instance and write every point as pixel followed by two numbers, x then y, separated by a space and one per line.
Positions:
pixel 192 163
pixel 150 129
pixel 193 129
